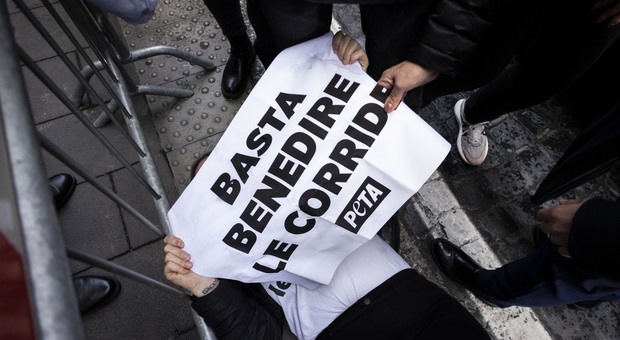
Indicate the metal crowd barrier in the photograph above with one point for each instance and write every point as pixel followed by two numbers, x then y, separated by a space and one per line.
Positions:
pixel 33 226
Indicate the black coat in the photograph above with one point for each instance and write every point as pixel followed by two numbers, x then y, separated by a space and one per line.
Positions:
pixel 595 238
pixel 437 34
pixel 248 312
pixel 593 152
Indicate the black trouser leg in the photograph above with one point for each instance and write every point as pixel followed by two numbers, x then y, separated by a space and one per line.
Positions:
pixel 280 24
pixel 566 47
pixel 406 306
pixel 228 15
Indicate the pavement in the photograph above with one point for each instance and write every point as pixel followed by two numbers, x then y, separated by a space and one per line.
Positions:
pixel 485 209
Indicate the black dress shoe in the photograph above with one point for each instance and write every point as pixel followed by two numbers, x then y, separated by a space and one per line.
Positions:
pixel 584 305
pixel 457 266
pixel 62 186
pixel 237 71
pixel 390 232
pixel 94 292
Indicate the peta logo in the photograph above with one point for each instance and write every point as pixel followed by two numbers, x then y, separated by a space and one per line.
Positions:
pixel 364 202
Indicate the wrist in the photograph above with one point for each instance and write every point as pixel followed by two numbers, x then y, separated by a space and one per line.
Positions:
pixel 205 286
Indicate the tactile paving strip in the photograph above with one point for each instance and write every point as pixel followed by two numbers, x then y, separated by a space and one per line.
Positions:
pixel 187 127
pixel 182 121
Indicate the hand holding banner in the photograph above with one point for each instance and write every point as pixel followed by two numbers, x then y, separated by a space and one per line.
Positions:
pixel 310 169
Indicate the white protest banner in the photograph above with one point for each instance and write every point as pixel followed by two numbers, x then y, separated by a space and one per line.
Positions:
pixel 310 168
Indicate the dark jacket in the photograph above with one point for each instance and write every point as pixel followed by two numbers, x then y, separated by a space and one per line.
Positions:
pixel 451 32
pixel 243 316
pixel 594 240
pixel 437 34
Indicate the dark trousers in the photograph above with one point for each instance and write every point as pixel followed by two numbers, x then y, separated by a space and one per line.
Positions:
pixel 544 278
pixel 406 306
pixel 565 49
pixel 280 24
pixel 228 16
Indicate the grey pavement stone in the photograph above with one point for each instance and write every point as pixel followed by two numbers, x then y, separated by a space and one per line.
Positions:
pixel 207 113
pixel 45 105
pixel 183 159
pixel 91 222
pixel 509 134
pixel 69 134
pixel 29 3
pixel 31 41
pixel 138 197
pixel 349 16
pixel 140 311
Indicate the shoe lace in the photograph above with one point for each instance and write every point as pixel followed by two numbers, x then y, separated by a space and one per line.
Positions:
pixel 474 134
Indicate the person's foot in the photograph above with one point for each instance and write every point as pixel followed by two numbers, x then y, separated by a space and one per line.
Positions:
pixel 390 232
pixel 94 292
pixel 471 142
pixel 62 186
pixel 584 305
pixel 457 266
pixel 237 71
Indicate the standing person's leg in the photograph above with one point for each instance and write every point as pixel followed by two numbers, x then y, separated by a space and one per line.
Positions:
pixel 280 24
pixel 543 278
pixel 565 48
pixel 228 16
pixel 567 45
pixel 515 25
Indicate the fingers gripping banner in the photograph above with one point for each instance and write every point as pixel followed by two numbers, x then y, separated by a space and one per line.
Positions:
pixel 310 168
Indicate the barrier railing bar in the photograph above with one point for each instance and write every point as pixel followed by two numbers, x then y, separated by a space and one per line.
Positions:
pixel 80 11
pixel 148 165
pixel 84 55
pixel 45 79
pixel 63 157
pixel 61 54
pixel 52 298
pixel 84 257
pixel 137 136
pixel 103 118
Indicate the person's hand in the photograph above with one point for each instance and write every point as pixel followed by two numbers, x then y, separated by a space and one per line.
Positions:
pixel 349 50
pixel 556 221
pixel 402 78
pixel 611 12
pixel 178 268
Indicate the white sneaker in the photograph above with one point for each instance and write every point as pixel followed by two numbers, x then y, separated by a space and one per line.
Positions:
pixel 472 144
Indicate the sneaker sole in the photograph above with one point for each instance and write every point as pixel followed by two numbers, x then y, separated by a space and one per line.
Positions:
pixel 457 115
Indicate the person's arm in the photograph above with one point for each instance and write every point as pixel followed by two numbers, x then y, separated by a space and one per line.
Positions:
pixel 557 221
pixel 588 231
pixel 401 79
pixel 450 34
pixel 221 303
pixel 610 12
